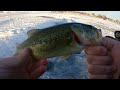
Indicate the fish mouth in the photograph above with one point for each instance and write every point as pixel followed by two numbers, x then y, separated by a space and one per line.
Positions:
pixel 76 38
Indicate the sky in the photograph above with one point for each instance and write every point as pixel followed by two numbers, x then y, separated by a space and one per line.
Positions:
pixel 111 14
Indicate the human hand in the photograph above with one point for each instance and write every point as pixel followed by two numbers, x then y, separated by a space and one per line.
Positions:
pixel 104 61
pixel 22 67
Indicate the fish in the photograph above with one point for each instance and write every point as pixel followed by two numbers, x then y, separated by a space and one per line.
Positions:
pixel 61 40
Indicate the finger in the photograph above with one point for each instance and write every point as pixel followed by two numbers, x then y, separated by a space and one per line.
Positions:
pixel 29 68
pixel 26 51
pixel 99 60
pixel 101 70
pixel 109 43
pixel 100 76
pixel 113 46
pixel 25 56
pixel 44 62
pixel 96 50
pixel 37 72
pixel 33 66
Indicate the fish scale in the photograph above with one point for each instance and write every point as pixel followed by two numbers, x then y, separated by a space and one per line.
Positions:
pixel 59 40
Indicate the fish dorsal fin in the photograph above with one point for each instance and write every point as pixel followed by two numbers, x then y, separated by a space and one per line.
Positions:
pixel 32 32
pixel 64 57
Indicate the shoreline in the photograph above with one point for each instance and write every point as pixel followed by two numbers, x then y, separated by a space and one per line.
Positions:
pixel 103 17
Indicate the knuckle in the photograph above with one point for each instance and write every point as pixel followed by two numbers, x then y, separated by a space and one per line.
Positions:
pixel 113 69
pixel 106 70
pixel 101 50
pixel 97 69
pixel 108 60
pixel 108 76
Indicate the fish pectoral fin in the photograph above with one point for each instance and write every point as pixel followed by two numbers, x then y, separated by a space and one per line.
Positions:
pixel 32 32
pixel 64 57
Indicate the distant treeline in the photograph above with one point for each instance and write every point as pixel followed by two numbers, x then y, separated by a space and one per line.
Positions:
pixel 88 14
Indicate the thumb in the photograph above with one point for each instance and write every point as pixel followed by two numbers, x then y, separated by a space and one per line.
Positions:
pixel 25 56
pixel 110 43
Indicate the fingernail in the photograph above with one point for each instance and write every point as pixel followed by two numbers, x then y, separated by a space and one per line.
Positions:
pixel 44 62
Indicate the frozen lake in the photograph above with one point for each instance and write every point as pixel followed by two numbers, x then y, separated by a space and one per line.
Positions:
pixel 13 31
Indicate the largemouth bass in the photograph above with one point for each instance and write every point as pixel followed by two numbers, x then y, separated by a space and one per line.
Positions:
pixel 61 40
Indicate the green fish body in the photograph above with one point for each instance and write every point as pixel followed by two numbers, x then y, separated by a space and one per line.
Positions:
pixel 61 40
